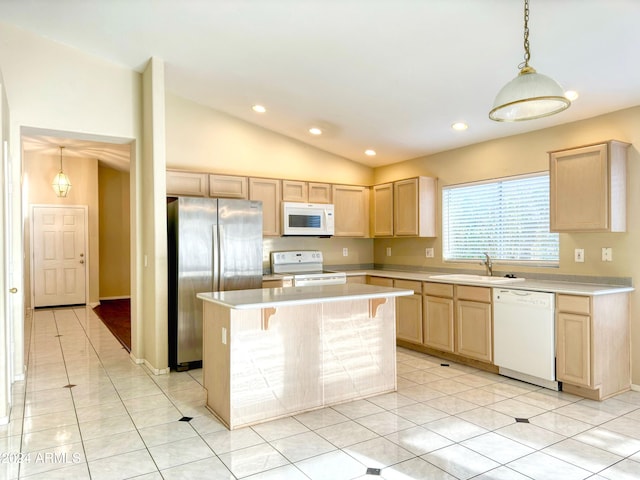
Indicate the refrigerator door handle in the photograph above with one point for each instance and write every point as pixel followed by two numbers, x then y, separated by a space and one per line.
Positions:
pixel 221 255
pixel 215 267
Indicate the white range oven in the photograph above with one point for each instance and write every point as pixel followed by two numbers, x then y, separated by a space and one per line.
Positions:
pixel 302 268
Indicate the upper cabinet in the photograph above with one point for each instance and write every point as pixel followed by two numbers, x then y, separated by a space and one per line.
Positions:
pixel 351 210
pixel 406 208
pixel 228 186
pixel 295 191
pixel 319 192
pixel 187 183
pixel 588 188
pixel 382 206
pixel 268 191
pixel 307 192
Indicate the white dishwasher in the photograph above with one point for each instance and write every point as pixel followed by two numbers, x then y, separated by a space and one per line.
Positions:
pixel 524 335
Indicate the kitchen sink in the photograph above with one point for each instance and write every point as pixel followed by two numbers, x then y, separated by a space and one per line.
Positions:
pixel 461 277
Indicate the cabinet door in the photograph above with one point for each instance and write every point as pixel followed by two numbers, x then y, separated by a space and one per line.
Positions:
pixel 573 349
pixel 438 323
pixel 228 186
pixel 295 191
pixel 186 183
pixel 414 207
pixel 351 210
pixel 319 192
pixel 579 189
pixel 267 190
pixel 474 333
pixel 409 318
pixel 382 210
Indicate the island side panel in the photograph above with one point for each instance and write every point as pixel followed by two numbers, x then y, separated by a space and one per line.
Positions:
pixel 216 359
pixel 276 362
pixel 359 344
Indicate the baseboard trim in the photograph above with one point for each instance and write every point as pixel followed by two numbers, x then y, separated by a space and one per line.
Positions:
pixel 124 297
pixel 635 388
pixel 4 420
pixel 151 368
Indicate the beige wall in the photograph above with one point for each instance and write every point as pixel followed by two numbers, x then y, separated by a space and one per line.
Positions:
pixel 114 230
pixel 202 139
pixel 524 154
pixel 39 171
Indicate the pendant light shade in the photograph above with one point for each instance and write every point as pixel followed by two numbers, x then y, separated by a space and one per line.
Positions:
pixel 61 183
pixel 530 95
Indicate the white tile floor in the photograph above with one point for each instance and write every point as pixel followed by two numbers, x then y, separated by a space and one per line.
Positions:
pixel 118 421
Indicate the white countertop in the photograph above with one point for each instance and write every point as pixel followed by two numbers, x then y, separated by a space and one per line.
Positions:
pixel 532 285
pixel 279 297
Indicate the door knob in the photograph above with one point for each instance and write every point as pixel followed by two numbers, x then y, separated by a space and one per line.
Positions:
pixel 81 261
pixel 13 290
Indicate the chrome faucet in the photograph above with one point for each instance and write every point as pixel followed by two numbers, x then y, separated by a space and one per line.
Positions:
pixel 488 264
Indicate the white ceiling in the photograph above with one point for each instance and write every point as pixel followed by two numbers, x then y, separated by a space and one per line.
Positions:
pixel 391 75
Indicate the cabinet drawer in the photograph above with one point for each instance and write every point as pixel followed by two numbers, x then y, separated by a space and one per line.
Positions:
pixel 477 294
pixel 409 285
pixel 437 289
pixel 574 303
pixel 380 281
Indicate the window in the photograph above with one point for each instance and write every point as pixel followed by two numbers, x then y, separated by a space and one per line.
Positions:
pixel 508 218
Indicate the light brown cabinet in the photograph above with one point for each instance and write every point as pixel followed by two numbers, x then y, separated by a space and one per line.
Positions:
pixel 474 322
pixel 409 312
pixel 319 192
pixel 588 188
pixel 356 279
pixel 438 320
pixel 406 208
pixel 382 210
pixel 414 207
pixel 295 191
pixel 592 344
pixel 228 186
pixel 268 191
pixel 187 184
pixel 351 210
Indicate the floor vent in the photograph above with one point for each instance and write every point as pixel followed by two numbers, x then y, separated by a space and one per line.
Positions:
pixel 373 471
pixel 522 420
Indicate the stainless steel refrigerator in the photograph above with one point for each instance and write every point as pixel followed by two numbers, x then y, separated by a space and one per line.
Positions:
pixel 213 245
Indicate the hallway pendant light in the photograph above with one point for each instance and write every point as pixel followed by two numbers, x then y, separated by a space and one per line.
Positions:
pixel 61 183
pixel 530 95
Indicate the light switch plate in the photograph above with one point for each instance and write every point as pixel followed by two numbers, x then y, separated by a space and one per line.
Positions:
pixel 428 252
pixel 578 255
pixel 607 254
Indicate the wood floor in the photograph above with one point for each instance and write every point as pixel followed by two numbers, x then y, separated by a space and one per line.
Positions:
pixel 116 315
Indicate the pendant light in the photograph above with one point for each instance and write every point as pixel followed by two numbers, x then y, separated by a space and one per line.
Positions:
pixel 61 183
pixel 530 95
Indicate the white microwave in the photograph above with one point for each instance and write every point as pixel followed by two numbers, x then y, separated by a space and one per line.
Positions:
pixel 315 219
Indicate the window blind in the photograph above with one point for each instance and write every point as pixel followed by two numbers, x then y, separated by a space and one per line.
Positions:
pixel 508 218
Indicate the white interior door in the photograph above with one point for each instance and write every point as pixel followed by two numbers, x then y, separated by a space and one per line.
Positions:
pixel 59 255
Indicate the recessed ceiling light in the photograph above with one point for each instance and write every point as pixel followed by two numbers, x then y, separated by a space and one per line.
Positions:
pixel 259 109
pixel 370 153
pixel 571 95
pixel 459 126
pixel 315 131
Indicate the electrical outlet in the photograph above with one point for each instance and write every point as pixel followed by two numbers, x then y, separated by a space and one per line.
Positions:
pixel 388 251
pixel 224 336
pixel 578 255
pixel 345 252
pixel 607 254
pixel 428 252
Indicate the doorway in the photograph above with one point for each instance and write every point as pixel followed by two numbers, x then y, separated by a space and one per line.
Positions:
pixel 58 249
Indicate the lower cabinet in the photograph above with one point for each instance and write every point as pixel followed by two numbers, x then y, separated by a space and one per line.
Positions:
pixel 438 325
pixel 356 279
pixel 409 312
pixel 474 324
pixel 592 344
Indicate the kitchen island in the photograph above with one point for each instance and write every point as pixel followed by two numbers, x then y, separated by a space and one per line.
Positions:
pixel 274 352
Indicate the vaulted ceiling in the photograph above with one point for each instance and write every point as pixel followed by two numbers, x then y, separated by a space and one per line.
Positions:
pixel 387 75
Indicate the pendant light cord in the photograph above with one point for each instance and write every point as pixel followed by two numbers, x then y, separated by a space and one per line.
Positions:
pixel 527 54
